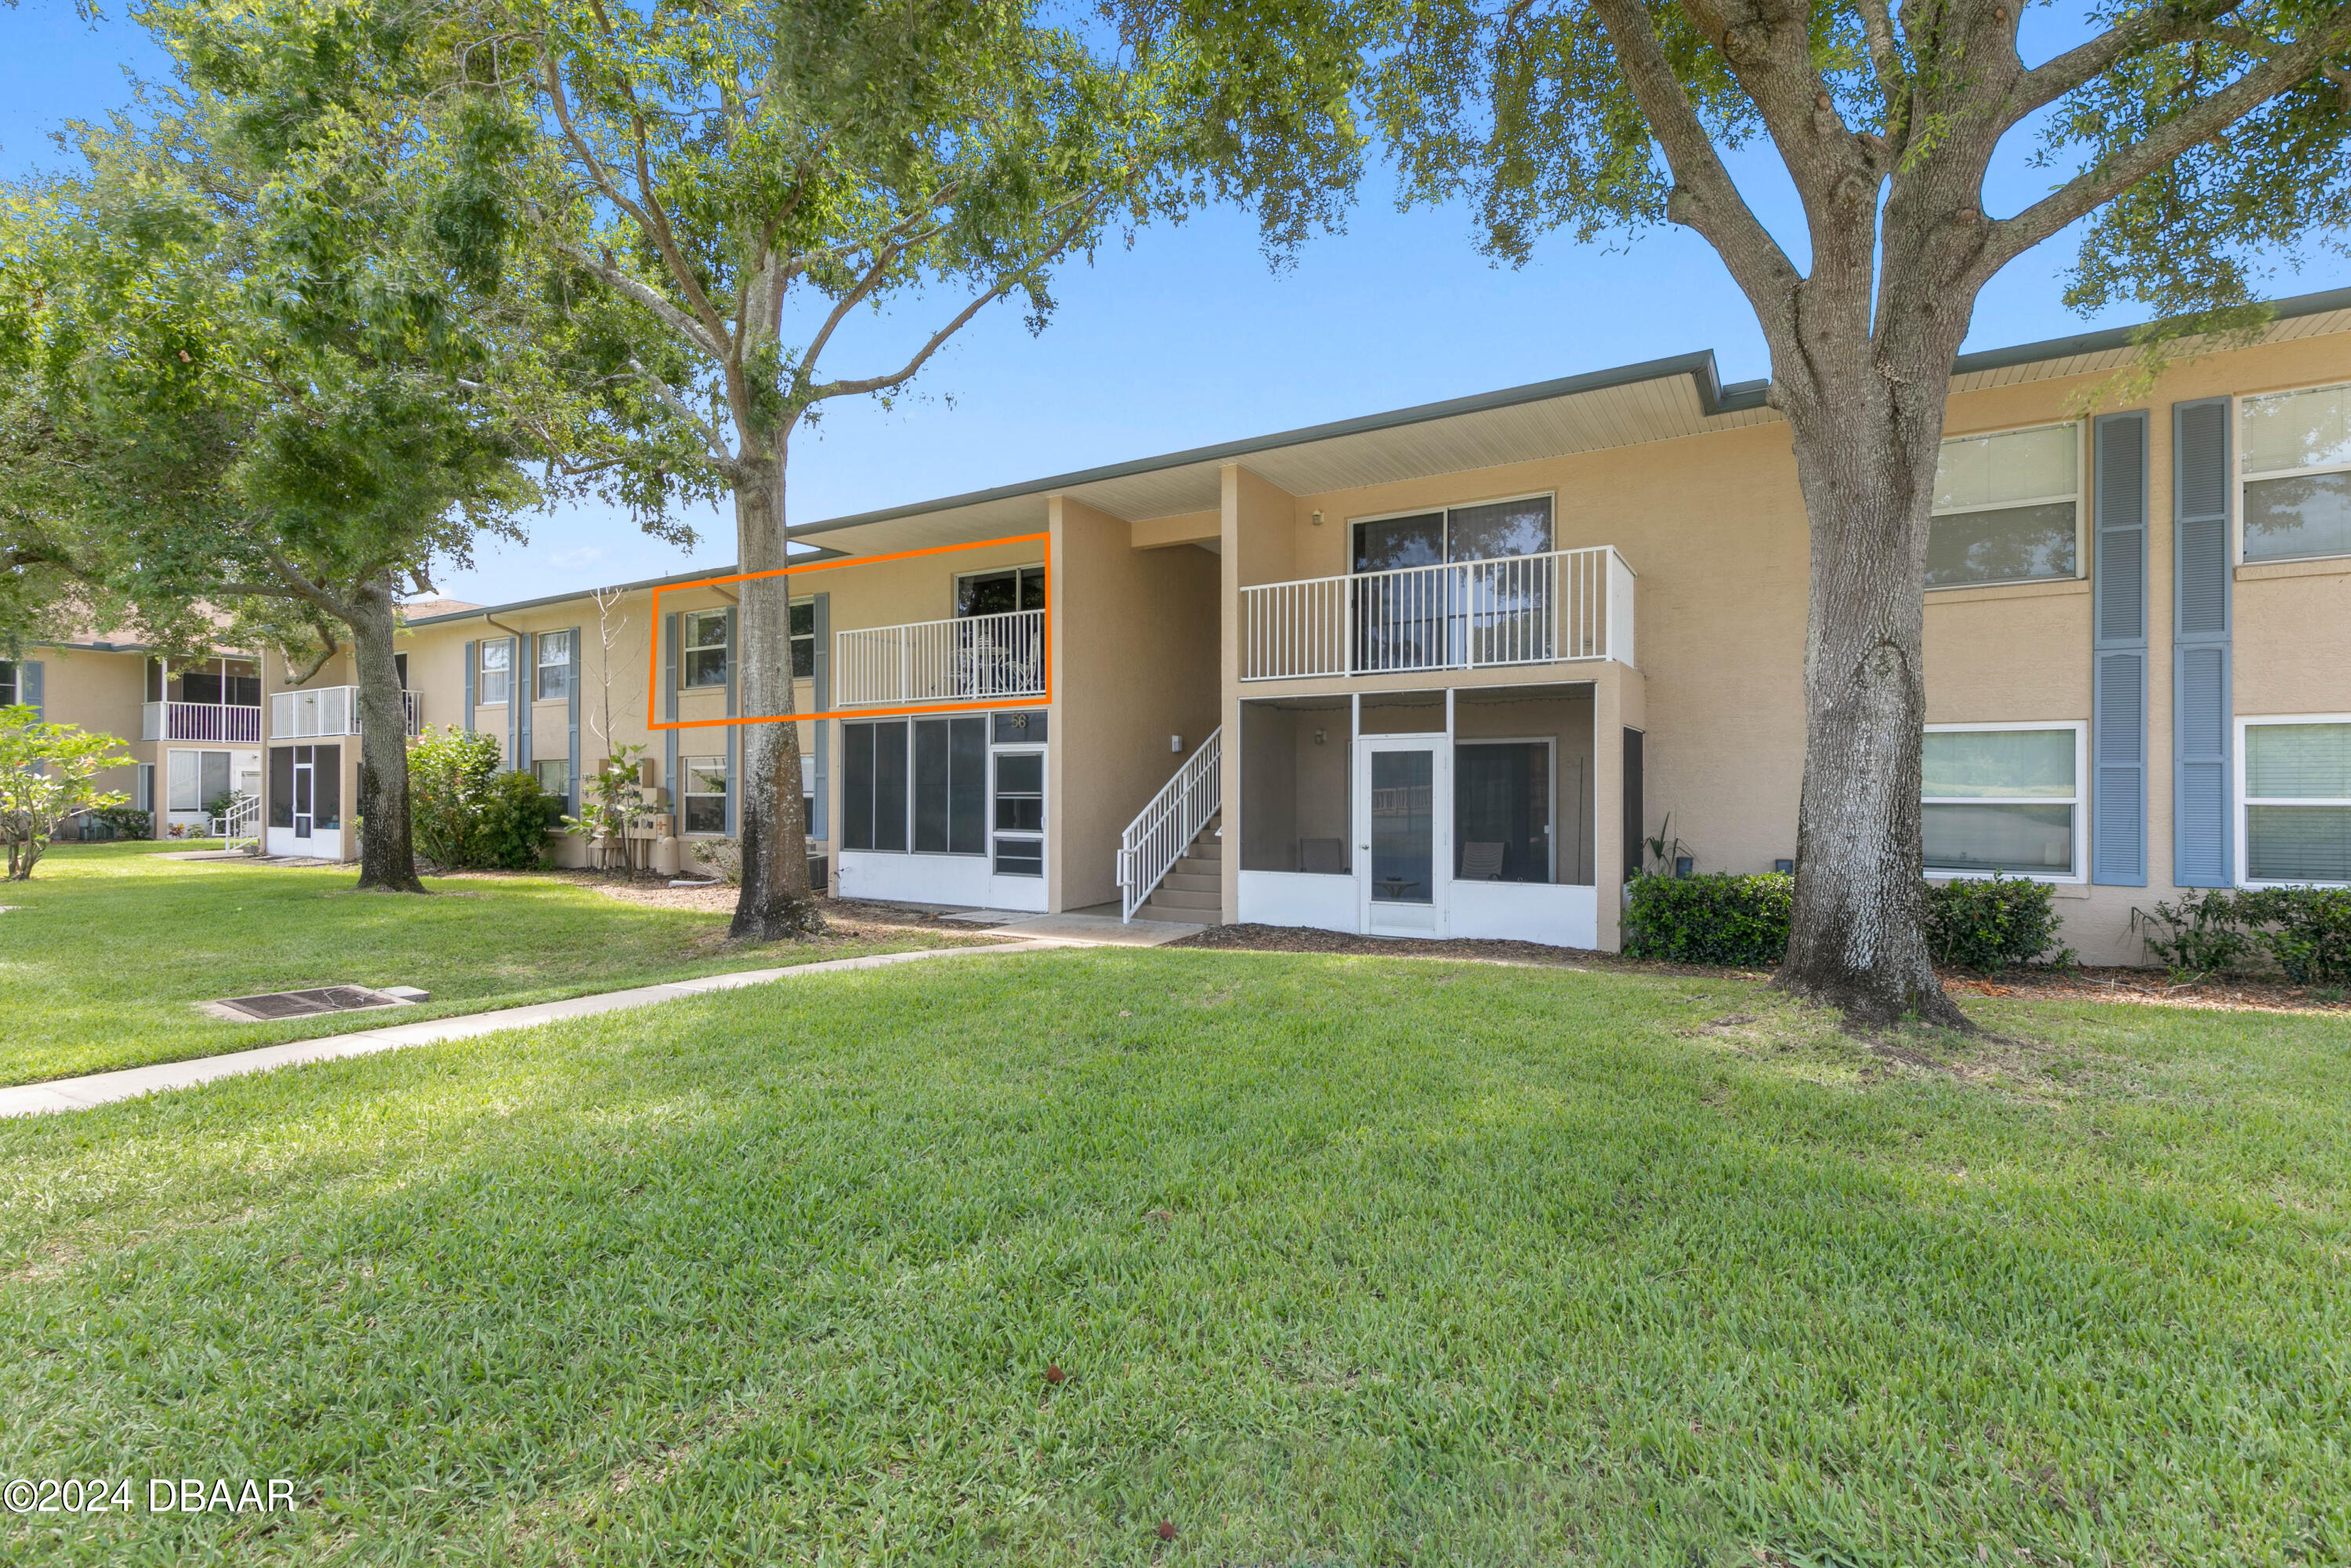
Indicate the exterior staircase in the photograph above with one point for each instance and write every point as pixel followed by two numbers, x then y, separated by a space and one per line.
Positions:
pixel 1192 891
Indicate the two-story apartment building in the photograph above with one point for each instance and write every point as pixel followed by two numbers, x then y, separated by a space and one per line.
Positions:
pixel 1441 671
pixel 192 727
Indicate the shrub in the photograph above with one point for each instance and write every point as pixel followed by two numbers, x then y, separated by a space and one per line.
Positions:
pixel 2305 932
pixel 49 775
pixel 1718 918
pixel 1994 923
pixel 465 813
pixel 723 857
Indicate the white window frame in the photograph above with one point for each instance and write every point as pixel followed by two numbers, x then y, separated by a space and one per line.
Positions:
pixel 541 764
pixel 2079 801
pixel 10 683
pixel 2080 498
pixel 1041 835
pixel 1449 508
pixel 955 591
pixel 503 648
pixel 2238 478
pixel 688 774
pixel 687 649
pixel 569 663
pixel 792 637
pixel 2245 803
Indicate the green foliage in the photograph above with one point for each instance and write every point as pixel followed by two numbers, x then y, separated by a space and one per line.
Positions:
pixel 1992 923
pixel 125 821
pixel 48 773
pixel 1740 922
pixel 2303 932
pixel 468 813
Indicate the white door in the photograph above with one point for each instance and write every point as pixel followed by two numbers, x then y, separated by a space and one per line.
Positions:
pixel 1403 834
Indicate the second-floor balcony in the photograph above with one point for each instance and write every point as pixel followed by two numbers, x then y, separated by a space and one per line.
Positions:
pixel 325 711
pixel 1559 607
pixel 227 723
pixel 972 658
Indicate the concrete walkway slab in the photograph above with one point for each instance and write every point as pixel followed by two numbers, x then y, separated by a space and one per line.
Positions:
pixel 130 1082
pixel 1096 926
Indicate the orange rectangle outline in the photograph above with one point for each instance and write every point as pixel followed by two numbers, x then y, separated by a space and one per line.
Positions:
pixel 653 655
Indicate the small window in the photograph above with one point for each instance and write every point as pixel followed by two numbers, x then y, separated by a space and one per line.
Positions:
pixel 702 657
pixel 702 791
pixel 2007 507
pixel 1000 592
pixel 2297 800
pixel 554 775
pixel 7 683
pixel 873 786
pixel 554 665
pixel 1020 813
pixel 2297 459
pixel 2002 799
pixel 804 641
pixel 496 673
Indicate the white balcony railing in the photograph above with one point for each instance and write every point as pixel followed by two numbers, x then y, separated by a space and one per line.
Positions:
pixel 1556 608
pixel 330 710
pixel 974 658
pixel 229 724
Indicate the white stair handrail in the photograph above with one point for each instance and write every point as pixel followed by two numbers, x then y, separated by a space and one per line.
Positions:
pixel 1164 829
pixel 240 824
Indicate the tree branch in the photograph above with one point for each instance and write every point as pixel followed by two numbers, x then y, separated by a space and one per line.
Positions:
pixel 2158 24
pixel 678 406
pixel 646 294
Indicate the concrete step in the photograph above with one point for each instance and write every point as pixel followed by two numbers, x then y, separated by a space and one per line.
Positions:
pixel 1187 898
pixel 1193 881
pixel 1157 911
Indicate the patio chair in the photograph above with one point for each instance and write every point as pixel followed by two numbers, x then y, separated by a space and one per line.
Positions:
pixel 1482 863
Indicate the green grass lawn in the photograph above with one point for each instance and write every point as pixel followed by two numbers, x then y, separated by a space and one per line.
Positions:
pixel 1346 1260
pixel 109 944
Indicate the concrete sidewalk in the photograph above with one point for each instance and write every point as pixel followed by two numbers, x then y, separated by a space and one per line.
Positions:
pixel 101 1088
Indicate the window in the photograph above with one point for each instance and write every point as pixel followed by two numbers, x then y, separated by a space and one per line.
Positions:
pixel 554 775
pixel 702 791
pixel 1489 531
pixel 2004 797
pixel 804 640
pixel 951 786
pixel 495 674
pixel 1020 813
pixel 873 786
pixel 2007 507
pixel 702 655
pixel 7 683
pixel 2297 791
pixel 197 779
pixel 999 592
pixel 1502 811
pixel 2296 461
pixel 554 665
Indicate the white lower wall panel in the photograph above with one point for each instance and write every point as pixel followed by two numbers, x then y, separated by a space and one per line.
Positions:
pixel 937 879
pixel 1312 899
pixel 324 846
pixel 1555 916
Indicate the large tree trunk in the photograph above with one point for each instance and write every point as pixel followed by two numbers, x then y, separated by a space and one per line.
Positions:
pixel 1866 409
pixel 775 902
pixel 387 859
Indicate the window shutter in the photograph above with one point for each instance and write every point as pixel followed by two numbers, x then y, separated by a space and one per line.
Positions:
pixel 2203 853
pixel 473 675
pixel 571 683
pixel 2118 720
pixel 820 821
pixel 733 752
pixel 28 686
pixel 525 660
pixel 670 632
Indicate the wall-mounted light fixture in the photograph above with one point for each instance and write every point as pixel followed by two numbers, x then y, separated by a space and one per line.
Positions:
pixel 1176 744
pixel 1318 519
pixel 1321 736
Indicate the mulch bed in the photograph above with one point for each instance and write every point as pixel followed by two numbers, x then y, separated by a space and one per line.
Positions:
pixel 2153 988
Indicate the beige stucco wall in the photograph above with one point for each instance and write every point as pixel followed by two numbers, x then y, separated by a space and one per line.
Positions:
pixel 101 691
pixel 1134 662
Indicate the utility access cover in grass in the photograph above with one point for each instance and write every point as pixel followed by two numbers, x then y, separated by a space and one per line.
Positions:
pixel 307 1004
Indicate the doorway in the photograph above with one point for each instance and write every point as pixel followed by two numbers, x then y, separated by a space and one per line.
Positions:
pixel 1404 815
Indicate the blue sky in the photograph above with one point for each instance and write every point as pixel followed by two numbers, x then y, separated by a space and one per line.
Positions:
pixel 1184 339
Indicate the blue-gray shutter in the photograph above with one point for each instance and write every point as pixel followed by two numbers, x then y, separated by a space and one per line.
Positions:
pixel 571 684
pixel 669 635
pixel 2203 822
pixel 823 726
pixel 473 675
pixel 28 686
pixel 523 694
pixel 2118 715
pixel 518 703
pixel 734 784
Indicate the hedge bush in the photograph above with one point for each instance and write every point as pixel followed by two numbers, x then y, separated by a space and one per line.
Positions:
pixel 466 813
pixel 2303 932
pixel 1739 922
pixel 1987 924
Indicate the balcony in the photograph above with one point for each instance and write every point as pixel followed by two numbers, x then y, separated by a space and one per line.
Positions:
pixel 225 723
pixel 327 711
pixel 974 658
pixel 1564 607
